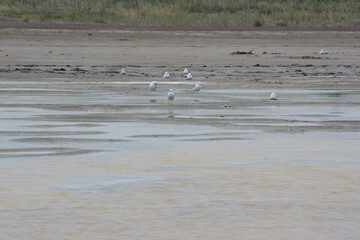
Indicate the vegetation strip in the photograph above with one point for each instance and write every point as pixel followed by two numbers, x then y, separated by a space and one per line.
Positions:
pixel 303 13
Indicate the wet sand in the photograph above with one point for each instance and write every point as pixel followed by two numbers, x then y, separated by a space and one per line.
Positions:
pixel 89 153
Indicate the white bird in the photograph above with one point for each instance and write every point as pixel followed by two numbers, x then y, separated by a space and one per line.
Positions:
pixel 188 76
pixel 273 96
pixel 171 96
pixel 166 75
pixel 197 87
pixel 123 71
pixel 153 86
pixel 186 71
pixel 322 51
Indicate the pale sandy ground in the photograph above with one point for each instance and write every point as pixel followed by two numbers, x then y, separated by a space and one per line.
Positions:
pixel 87 153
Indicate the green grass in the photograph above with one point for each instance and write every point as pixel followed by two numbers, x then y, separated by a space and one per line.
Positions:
pixel 186 12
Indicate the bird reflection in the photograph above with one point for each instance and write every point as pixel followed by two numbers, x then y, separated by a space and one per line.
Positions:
pixel 171 113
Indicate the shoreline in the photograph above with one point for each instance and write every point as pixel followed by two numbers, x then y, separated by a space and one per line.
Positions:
pixel 92 26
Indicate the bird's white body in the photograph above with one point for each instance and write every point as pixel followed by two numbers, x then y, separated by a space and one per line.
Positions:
pixel 123 71
pixel 171 96
pixel 273 96
pixel 188 76
pixel 153 86
pixel 197 87
pixel 166 75
pixel 322 51
pixel 186 71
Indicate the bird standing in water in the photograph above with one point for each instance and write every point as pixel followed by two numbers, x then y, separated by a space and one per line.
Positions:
pixel 171 96
pixel 153 86
pixel 197 87
pixel 273 96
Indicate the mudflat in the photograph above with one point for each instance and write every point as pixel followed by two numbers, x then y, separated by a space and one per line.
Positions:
pixel 89 153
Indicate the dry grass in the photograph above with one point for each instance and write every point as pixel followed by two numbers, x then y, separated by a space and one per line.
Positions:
pixel 186 12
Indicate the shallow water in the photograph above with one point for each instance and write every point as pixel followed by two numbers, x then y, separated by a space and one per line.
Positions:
pixel 118 121
pixel 293 186
pixel 154 172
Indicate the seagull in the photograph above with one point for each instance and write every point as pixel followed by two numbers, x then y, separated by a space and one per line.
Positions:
pixel 166 75
pixel 153 86
pixel 171 96
pixel 197 87
pixel 188 76
pixel 322 51
pixel 186 71
pixel 273 96
pixel 123 71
